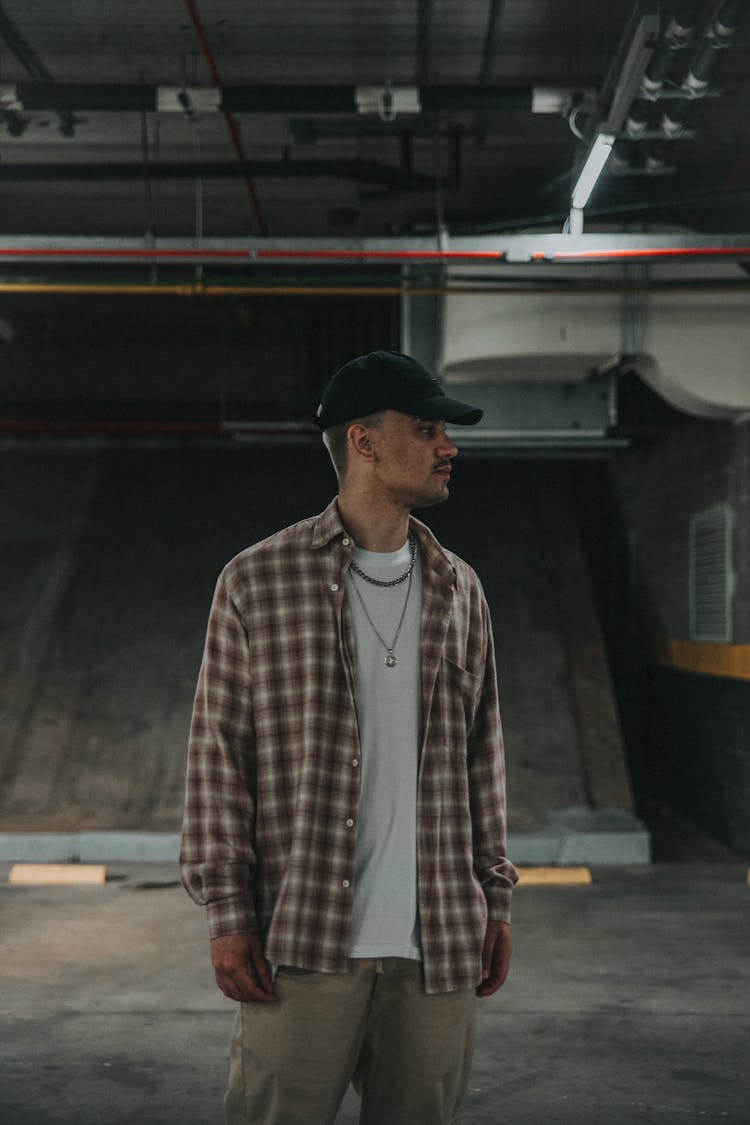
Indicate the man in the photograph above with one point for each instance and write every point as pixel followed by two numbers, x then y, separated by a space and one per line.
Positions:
pixel 345 814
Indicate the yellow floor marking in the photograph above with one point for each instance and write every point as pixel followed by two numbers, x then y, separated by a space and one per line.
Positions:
pixel 705 658
pixel 554 876
pixel 56 874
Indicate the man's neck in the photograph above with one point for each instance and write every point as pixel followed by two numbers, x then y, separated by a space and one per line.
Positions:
pixel 374 527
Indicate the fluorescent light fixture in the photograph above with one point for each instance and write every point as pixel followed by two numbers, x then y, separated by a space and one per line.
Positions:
pixel 592 169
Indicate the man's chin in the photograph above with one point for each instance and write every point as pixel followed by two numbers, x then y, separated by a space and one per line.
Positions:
pixel 431 499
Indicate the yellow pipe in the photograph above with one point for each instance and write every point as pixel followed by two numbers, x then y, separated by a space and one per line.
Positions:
pixel 192 290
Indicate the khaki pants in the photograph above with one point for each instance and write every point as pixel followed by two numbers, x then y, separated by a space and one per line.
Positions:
pixel 407 1053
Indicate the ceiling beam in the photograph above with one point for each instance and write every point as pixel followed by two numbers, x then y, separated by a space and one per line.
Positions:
pixel 119 97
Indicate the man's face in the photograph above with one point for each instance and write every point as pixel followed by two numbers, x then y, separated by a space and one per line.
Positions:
pixel 412 459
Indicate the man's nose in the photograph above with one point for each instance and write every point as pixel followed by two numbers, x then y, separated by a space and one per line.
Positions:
pixel 447 447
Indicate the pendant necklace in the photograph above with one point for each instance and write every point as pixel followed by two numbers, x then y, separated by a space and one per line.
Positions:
pixel 391 660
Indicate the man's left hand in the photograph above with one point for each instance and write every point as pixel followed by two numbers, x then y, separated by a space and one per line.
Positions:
pixel 495 957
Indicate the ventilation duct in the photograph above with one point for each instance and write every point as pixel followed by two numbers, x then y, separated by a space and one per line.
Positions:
pixel 691 345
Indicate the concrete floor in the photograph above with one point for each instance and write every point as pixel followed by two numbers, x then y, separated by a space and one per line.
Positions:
pixel 629 1001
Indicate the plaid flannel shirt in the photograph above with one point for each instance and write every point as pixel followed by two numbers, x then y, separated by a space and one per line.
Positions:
pixel 273 765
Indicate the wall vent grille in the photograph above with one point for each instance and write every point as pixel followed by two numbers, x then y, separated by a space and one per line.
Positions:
pixel 711 577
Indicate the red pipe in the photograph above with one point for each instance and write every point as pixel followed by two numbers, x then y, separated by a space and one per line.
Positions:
pixel 232 126
pixel 397 255
pixel 250 256
pixel 657 252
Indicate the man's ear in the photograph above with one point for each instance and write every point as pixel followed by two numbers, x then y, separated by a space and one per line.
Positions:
pixel 360 442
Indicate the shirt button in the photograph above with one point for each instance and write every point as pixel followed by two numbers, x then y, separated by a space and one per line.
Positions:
pixel 355 762
pixel 345 883
pixel 350 823
pixel 334 587
pixel 346 542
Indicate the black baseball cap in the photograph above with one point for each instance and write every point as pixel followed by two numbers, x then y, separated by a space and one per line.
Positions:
pixel 389 381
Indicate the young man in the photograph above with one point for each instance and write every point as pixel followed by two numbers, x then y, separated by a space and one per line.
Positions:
pixel 345 811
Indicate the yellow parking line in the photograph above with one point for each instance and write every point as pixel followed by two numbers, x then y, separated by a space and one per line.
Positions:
pixel 554 876
pixel 56 874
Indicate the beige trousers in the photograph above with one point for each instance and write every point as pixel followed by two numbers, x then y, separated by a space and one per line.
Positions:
pixel 407 1053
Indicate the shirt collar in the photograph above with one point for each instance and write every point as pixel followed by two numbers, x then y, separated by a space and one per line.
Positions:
pixel 328 526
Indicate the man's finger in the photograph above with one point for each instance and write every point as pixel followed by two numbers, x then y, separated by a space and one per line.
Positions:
pixel 241 985
pixel 260 971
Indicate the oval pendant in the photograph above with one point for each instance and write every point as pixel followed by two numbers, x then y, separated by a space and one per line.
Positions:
pixel 390 661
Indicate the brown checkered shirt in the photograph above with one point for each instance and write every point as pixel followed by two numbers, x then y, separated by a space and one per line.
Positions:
pixel 273 766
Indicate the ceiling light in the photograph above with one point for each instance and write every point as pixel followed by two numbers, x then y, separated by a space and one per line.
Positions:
pixel 597 157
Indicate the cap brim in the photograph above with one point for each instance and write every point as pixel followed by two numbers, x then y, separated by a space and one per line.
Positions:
pixel 440 408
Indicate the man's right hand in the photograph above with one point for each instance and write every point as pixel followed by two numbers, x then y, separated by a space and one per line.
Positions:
pixel 242 971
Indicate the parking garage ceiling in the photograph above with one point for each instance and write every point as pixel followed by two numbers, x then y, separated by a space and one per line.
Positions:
pixel 330 119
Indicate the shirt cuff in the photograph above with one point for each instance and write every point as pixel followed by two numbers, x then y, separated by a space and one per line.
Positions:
pixel 232 915
pixel 498 903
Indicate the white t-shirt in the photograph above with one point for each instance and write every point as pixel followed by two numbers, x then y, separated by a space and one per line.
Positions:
pixel 385 918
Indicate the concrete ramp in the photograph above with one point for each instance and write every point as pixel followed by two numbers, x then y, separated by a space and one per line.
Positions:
pixel 108 559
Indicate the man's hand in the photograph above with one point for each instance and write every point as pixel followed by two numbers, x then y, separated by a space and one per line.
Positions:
pixel 495 957
pixel 242 971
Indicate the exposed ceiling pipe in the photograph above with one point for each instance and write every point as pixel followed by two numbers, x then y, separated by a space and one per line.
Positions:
pixel 208 291
pixel 232 126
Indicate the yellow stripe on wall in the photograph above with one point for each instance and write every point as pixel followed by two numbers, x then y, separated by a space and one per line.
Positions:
pixel 732 661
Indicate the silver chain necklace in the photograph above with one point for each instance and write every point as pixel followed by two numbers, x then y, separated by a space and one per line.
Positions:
pixel 391 660
pixel 413 548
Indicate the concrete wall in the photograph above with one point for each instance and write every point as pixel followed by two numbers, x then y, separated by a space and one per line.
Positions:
pixel 695 698
pixel 108 559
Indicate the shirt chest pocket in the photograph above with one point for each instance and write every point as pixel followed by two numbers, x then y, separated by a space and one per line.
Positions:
pixel 460 693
